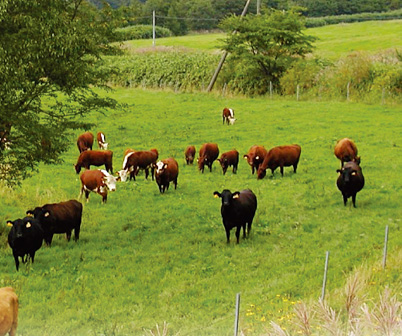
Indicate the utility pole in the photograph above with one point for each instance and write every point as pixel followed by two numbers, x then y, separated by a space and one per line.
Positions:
pixel 219 67
pixel 153 28
pixel 258 6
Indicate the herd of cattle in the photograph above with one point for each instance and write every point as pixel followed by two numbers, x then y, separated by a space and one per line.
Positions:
pixel 237 209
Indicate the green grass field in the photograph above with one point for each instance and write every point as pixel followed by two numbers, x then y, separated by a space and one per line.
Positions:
pixel 334 41
pixel 145 258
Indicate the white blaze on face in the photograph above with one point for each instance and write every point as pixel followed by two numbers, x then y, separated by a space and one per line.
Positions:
pixel 126 158
pixel 159 166
pixel 102 137
pixel 231 113
pixel 109 180
pixel 104 145
pixel 232 120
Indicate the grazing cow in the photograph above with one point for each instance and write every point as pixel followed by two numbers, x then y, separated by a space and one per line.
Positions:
pixel 208 154
pixel 346 150
pixel 255 157
pixel 25 238
pixel 190 154
pixel 98 181
pixel 8 311
pixel 85 141
pixel 95 158
pixel 238 209
pixel 58 218
pixel 350 181
pixel 228 116
pixel 135 161
pixel 101 140
pixel 166 171
pixel 281 156
pixel 230 158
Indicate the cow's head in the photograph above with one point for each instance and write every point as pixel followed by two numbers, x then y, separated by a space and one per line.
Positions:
pixel 109 182
pixel 103 145
pixel 223 162
pixel 160 167
pixel 21 226
pixel 232 120
pixel 201 162
pixel 226 196
pixel 261 173
pixel 77 168
pixel 123 174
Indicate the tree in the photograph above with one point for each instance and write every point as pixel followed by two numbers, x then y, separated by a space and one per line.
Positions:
pixel 50 52
pixel 264 46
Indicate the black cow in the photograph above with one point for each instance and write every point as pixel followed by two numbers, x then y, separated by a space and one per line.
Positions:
pixel 237 210
pixel 350 181
pixel 25 238
pixel 60 217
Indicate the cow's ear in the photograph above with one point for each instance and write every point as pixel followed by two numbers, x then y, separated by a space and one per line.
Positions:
pixel 29 213
pixel 10 223
pixel 217 194
pixel 245 156
pixel 338 170
pixel 46 214
pixel 236 194
pixel 257 157
pixel 28 225
pixel 219 160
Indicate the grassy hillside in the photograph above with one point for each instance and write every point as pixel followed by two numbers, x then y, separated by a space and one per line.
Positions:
pixel 144 258
pixel 334 40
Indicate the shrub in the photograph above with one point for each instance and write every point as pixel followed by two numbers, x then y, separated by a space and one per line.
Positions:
pixel 140 32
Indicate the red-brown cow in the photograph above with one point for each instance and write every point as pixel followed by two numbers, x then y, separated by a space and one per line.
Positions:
pixel 346 150
pixel 189 153
pixel 135 161
pixel 85 141
pixel 166 171
pixel 98 181
pixel 208 154
pixel 228 116
pixel 230 158
pixel 8 311
pixel 101 140
pixel 281 156
pixel 95 158
pixel 255 157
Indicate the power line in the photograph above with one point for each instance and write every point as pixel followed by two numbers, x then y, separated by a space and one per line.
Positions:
pixel 185 18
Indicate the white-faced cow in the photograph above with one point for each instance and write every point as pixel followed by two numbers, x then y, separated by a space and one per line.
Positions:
pixel 228 116
pixel 166 171
pixel 350 181
pixel 98 181
pixel 95 158
pixel 100 137
pixel 135 161
pixel 85 141
pixel 59 218
pixel 237 210
pixel 8 311
pixel 25 238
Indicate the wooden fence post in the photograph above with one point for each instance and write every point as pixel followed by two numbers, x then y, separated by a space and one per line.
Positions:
pixel 297 92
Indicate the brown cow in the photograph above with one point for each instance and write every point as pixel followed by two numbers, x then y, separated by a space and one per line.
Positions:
pixel 190 154
pixel 230 158
pixel 346 150
pixel 95 158
pixel 255 157
pixel 208 154
pixel 101 140
pixel 135 161
pixel 281 156
pixel 85 141
pixel 166 171
pixel 99 181
pixel 8 311
pixel 228 116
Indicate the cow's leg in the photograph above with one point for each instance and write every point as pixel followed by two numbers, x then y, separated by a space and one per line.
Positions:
pixel 224 170
pixel 345 199
pixel 354 200
pixel 252 169
pixel 87 195
pixel 238 228
pixel 146 173
pixel 227 235
pixel 68 235
pixel 167 186
pixel 282 170
pixel 244 230
pixel 249 226
pixel 104 198
pixel 17 261
pixel 152 172
pixel 295 167
pixel 175 183
pixel 32 255
pixel 210 167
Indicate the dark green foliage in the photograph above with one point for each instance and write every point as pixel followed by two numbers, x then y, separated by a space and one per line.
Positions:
pixel 140 32
pixel 263 47
pixel 51 55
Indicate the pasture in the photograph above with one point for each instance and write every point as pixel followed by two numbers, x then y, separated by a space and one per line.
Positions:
pixel 145 258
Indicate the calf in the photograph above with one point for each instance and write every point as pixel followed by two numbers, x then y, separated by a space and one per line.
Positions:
pixel 350 181
pixel 59 218
pixel 166 171
pixel 95 158
pixel 85 141
pixel 238 209
pixel 8 311
pixel 98 181
pixel 255 157
pixel 208 154
pixel 101 140
pixel 228 116
pixel 346 150
pixel 135 161
pixel 281 156
pixel 230 158
pixel 25 238
pixel 189 154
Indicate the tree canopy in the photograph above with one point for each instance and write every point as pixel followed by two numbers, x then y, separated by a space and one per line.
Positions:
pixel 50 52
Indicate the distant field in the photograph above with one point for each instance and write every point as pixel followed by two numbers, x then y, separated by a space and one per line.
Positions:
pixel 145 258
pixel 334 40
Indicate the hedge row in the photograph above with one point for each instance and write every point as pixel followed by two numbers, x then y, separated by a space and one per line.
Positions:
pixel 140 32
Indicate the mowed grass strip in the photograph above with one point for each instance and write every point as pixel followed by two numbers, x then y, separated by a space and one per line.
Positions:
pixel 144 258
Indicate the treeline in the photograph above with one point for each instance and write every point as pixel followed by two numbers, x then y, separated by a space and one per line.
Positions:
pixel 181 16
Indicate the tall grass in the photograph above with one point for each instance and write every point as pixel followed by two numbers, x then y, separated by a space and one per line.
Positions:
pixel 145 258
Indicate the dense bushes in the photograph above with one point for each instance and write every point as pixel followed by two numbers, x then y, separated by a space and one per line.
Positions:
pixel 335 19
pixel 140 32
